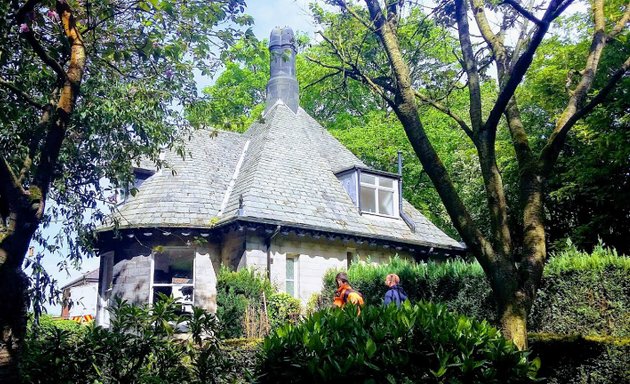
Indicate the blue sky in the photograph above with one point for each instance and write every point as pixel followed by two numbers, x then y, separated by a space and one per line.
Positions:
pixel 267 15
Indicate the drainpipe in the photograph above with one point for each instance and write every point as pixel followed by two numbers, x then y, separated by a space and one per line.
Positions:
pixel 268 245
pixel 403 215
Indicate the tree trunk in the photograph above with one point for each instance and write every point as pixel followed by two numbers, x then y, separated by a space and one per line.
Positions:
pixel 14 299
pixel 513 320
pixel 13 315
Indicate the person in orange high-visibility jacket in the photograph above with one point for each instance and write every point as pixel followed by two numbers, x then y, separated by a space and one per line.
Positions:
pixel 345 293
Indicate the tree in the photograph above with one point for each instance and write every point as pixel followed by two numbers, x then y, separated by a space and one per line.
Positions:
pixel 589 191
pixel 90 87
pixel 513 253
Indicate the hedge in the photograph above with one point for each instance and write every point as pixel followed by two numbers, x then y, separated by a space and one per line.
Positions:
pixel 580 293
pixel 576 359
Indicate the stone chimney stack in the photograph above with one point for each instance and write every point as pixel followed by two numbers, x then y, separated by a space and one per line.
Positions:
pixel 283 83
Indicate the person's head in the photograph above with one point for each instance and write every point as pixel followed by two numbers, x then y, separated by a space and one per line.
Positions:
pixel 392 279
pixel 341 278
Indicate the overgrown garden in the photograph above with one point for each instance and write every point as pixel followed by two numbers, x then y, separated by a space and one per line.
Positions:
pixel 578 332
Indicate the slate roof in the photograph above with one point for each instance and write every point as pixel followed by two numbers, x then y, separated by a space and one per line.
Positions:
pixel 86 278
pixel 281 171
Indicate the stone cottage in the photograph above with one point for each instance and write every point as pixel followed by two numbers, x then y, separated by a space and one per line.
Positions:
pixel 285 198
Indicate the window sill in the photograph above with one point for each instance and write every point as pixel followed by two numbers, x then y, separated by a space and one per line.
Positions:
pixel 396 217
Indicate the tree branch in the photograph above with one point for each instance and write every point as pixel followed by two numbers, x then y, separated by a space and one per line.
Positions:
pixel 43 55
pixel 352 12
pixel 522 64
pixel 358 74
pixel 19 92
pixel 551 151
pixel 470 65
pixel 619 26
pixel 519 8
pixel 336 72
pixel 442 108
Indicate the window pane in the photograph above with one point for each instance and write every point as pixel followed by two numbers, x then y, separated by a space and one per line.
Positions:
pixel 291 288
pixel 173 267
pixel 385 182
pixel 368 199
pixel 368 179
pixel 163 290
pixel 184 294
pixel 290 269
pixel 386 202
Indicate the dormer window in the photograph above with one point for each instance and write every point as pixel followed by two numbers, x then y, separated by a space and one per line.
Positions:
pixel 378 194
pixel 373 192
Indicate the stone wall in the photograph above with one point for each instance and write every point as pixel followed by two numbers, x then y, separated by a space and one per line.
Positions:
pixel 132 278
pixel 206 278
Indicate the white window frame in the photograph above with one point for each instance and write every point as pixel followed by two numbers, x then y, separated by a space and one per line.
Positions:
pixel 152 285
pixel 377 187
pixel 295 275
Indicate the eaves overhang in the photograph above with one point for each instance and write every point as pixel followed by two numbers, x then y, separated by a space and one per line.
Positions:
pixel 254 224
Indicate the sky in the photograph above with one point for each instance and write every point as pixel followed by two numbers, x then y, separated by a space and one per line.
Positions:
pixel 267 14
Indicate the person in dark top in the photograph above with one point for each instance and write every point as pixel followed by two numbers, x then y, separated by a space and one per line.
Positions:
pixel 395 294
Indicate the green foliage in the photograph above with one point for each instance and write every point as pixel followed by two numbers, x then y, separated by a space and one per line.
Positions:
pixel 422 343
pixel 459 285
pixel 236 292
pixel 283 308
pixel 241 357
pixel 589 193
pixel 576 359
pixel 139 347
pixel 139 67
pixel 244 78
pixel 580 292
pixel 48 323
pixel 585 294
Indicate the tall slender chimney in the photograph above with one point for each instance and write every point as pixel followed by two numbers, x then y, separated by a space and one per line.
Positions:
pixel 282 84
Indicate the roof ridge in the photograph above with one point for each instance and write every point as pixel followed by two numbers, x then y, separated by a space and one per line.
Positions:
pixel 230 187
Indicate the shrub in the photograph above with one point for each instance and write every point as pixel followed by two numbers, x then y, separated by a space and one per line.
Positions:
pixel 579 293
pixel 240 355
pixel 239 293
pixel 576 359
pixel 585 294
pixel 139 347
pixel 283 308
pixel 421 343
pixel 459 285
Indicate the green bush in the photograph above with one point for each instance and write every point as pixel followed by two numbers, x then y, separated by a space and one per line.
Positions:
pixel 421 343
pixel 241 357
pixel 580 293
pixel 459 285
pixel 236 292
pixel 283 308
pixel 139 347
pixel 576 359
pixel 584 294
pixel 48 322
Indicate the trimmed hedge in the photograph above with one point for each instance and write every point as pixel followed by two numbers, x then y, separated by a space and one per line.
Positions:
pixel 577 359
pixel 421 343
pixel 580 293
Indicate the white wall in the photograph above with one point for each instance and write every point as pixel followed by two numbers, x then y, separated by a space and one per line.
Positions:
pixel 313 259
pixel 83 299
